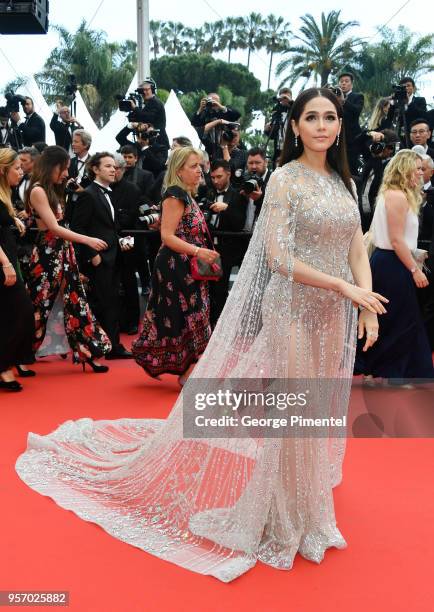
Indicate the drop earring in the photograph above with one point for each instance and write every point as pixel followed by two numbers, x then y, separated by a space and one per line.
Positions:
pixel 337 140
pixel 296 141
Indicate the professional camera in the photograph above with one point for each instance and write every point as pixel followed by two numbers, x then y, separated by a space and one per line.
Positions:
pixel 376 148
pixel 204 205
pixel 72 187
pixel 13 102
pixel 209 103
pixel 228 133
pixel 244 181
pixel 150 135
pixel 131 105
pixel 399 94
pixel 148 215
pixel 335 89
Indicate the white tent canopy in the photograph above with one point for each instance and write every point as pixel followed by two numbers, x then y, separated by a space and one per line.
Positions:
pixel 84 117
pixel 105 140
pixel 177 122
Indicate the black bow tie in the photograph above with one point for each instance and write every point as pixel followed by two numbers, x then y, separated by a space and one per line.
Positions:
pixel 104 190
pixel 222 192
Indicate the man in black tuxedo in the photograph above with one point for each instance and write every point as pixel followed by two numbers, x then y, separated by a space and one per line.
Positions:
pixel 94 214
pixel 63 126
pixel 32 129
pixel 143 179
pixel 415 107
pixel 352 107
pixel 126 198
pixel 420 134
pixel 225 209
pixel 78 178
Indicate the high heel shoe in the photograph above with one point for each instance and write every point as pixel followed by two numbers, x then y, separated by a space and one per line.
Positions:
pixel 98 368
pixel 11 385
pixel 25 373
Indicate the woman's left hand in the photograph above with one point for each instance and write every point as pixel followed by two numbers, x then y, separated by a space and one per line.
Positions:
pixel 20 226
pixel 368 323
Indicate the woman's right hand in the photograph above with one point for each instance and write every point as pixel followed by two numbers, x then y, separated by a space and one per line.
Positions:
pixel 207 255
pixel 363 297
pixel 96 244
pixel 420 279
pixel 10 275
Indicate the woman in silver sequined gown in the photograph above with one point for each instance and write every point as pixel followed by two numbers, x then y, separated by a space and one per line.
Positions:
pixel 217 505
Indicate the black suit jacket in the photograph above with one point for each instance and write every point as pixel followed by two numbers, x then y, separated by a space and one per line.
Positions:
pixel 154 112
pixel 33 130
pixel 142 179
pixel 415 110
pixel 62 131
pixel 352 108
pixel 126 200
pixel 92 217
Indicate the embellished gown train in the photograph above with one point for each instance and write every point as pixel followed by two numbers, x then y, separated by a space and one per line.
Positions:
pixel 217 506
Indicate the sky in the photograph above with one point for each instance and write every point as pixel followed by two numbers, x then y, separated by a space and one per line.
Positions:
pixel 24 55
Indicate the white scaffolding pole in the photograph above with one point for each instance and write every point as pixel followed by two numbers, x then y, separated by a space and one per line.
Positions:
pixel 143 64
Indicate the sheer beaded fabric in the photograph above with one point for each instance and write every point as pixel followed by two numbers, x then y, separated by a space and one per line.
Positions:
pixel 217 506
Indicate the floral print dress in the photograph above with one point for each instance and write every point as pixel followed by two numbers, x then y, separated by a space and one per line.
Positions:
pixel 176 327
pixel 53 281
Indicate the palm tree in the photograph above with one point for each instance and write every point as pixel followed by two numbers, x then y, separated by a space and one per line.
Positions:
pixel 230 35
pixel 156 33
pixel 102 69
pixel 380 65
pixel 213 32
pixel 253 33
pixel 276 38
pixel 322 52
pixel 173 37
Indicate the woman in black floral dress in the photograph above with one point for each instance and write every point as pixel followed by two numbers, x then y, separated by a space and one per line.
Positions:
pixel 54 279
pixel 176 325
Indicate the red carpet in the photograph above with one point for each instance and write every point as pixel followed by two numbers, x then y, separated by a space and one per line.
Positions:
pixel 384 507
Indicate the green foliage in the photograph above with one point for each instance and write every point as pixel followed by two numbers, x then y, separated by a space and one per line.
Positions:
pixel 191 72
pixel 322 51
pixel 13 85
pixel 102 69
pixel 383 64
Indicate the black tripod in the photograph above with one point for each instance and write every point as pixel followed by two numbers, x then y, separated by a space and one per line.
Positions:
pixel 399 122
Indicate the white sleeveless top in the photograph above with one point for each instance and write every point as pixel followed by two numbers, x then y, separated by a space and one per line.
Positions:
pixel 380 230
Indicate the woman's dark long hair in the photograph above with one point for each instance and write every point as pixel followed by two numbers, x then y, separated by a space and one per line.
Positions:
pixel 42 174
pixel 336 155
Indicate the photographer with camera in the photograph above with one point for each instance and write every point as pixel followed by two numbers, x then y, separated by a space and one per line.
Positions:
pixel 209 120
pixel 275 129
pixel 148 109
pixel 415 106
pixel 9 134
pixel 32 128
pixel 63 124
pixel 152 155
pixel 352 106
pixel 381 147
pixel 78 178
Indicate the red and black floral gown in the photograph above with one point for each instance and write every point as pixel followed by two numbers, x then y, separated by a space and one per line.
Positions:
pixel 54 277
pixel 176 327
